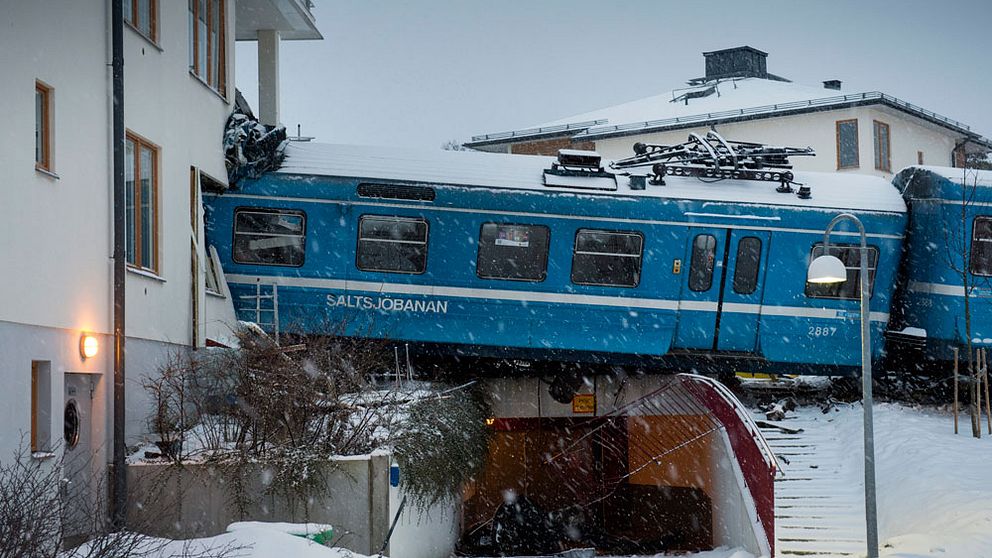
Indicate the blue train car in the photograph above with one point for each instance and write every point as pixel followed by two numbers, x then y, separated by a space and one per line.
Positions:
pixel 490 255
pixel 948 261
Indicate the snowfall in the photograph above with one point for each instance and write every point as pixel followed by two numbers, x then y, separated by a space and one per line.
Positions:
pixel 934 489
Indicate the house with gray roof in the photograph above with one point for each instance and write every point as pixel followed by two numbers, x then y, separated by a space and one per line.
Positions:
pixel 867 132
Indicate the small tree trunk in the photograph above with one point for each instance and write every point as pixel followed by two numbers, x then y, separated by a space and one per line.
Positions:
pixel 955 390
pixel 985 376
pixel 976 409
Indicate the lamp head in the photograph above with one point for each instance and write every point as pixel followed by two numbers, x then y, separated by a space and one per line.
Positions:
pixel 826 269
pixel 88 346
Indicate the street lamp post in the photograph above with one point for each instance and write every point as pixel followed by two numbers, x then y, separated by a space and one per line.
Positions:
pixel 827 269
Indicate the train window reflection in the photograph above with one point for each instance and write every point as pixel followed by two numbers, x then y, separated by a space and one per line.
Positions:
pixel 514 252
pixel 981 246
pixel 269 237
pixel 607 258
pixel 392 244
pixel 851 288
pixel 747 264
pixel 702 263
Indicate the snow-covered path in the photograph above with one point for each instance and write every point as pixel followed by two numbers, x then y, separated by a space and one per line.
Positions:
pixel 934 488
pixel 819 503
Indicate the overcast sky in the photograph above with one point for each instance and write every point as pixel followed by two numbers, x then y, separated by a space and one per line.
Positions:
pixel 417 73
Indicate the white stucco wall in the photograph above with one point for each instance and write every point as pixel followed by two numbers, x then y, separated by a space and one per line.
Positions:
pixel 818 130
pixel 185 118
pixel 56 240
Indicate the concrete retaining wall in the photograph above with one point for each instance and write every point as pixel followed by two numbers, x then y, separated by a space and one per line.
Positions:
pixel 196 501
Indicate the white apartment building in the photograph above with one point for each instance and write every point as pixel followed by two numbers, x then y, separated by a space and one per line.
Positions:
pixel 56 202
pixel 862 132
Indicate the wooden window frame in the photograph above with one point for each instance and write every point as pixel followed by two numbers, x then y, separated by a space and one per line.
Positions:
pixel 35 446
pixel 875 126
pixel 46 162
pixel 204 74
pixel 135 228
pixel 857 140
pixel 152 34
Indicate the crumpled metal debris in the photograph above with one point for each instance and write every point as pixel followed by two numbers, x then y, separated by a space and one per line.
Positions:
pixel 250 147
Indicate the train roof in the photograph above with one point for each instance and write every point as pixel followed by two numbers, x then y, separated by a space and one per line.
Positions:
pixel 526 172
pixel 957 175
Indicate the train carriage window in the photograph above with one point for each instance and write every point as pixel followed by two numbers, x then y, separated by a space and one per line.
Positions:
pixel 514 252
pixel 851 288
pixel 607 258
pixel 392 244
pixel 269 237
pixel 981 246
pixel 746 265
pixel 702 262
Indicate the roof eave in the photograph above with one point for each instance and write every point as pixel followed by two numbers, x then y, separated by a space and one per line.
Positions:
pixel 532 134
pixel 773 111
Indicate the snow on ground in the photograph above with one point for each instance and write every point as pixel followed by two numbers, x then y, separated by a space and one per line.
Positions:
pixel 255 539
pixel 245 540
pixel 934 488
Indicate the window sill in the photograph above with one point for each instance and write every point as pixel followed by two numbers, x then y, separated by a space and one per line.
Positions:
pixel 204 83
pixel 48 173
pixel 141 34
pixel 215 294
pixel 145 273
pixel 42 455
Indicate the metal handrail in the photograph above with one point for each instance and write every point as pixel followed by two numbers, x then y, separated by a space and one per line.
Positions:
pixel 731 399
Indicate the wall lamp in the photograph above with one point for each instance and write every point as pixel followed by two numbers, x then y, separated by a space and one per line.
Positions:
pixel 89 346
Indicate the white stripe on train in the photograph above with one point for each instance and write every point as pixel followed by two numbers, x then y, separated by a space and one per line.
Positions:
pixel 559 298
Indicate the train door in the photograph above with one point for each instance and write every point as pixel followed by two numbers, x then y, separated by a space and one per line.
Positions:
pixel 701 288
pixel 722 290
pixel 742 290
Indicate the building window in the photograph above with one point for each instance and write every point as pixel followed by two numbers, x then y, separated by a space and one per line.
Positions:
pixel 981 246
pixel 702 262
pixel 747 265
pixel 880 137
pixel 270 237
pixel 143 16
pixel 515 252
pixel 392 244
pixel 919 157
pixel 213 272
pixel 851 288
pixel 42 126
pixel 141 193
pixel 41 406
pixel 847 144
pixel 207 42
pixel 607 258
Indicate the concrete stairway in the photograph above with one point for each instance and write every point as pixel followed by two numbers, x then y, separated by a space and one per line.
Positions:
pixel 819 503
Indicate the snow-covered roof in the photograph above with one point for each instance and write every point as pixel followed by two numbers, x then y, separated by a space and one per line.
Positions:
pixel 732 100
pixel 526 172
pixel 729 95
pixel 957 175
